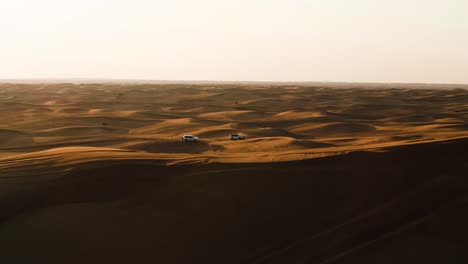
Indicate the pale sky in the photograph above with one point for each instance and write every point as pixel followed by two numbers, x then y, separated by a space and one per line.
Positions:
pixel 236 40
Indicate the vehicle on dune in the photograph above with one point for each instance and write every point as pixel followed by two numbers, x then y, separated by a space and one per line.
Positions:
pixel 237 137
pixel 189 138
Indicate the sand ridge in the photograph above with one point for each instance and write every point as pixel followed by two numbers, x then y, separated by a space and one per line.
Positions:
pixel 280 123
pixel 149 117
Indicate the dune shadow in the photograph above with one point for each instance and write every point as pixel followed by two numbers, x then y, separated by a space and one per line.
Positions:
pixel 176 147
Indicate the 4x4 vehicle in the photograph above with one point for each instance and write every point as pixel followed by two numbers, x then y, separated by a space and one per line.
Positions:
pixel 189 138
pixel 237 137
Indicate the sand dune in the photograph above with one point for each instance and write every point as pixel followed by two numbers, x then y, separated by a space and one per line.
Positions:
pixel 333 129
pixel 113 112
pixel 9 138
pixel 97 173
pixel 272 144
pixel 169 127
pixel 345 117
pixel 66 110
pixel 294 115
pixel 412 118
pixel 77 131
pixel 165 112
pixel 244 115
pixel 324 214
pixel 214 131
pixel 174 147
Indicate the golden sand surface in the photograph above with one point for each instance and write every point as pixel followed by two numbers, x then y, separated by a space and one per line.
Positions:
pixel 98 173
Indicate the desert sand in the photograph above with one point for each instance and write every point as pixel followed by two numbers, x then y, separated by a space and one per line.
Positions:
pixel 328 173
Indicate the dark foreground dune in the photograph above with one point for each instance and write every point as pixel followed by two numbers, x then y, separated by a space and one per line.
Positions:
pixel 97 174
pixel 404 205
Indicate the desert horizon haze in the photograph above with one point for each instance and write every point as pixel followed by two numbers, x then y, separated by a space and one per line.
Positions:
pixel 354 41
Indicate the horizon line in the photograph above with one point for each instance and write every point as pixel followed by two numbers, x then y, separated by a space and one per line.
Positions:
pixel 155 81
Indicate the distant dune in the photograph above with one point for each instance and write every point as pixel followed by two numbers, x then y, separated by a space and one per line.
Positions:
pixel 327 173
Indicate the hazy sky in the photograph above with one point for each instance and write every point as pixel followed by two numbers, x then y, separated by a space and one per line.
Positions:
pixel 255 40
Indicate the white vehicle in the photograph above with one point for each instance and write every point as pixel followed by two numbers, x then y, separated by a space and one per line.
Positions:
pixel 237 137
pixel 189 138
